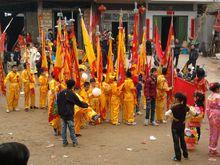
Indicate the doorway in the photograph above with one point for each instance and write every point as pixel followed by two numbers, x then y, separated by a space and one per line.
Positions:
pixel 180 24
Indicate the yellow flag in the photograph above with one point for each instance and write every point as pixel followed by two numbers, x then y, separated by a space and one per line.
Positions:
pixel 143 57
pixel 44 57
pixel 110 67
pixel 88 46
pixel 59 59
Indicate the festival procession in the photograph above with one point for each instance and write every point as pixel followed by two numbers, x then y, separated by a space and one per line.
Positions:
pixel 107 82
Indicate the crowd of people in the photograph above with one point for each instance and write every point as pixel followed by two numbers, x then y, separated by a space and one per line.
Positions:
pixel 92 103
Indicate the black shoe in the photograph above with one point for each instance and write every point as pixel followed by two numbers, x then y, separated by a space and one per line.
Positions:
pixel 77 135
pixel 65 144
pixel 31 107
pixel 186 157
pixel 75 144
pixel 175 159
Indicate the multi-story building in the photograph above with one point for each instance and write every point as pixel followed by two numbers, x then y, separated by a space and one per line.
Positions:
pixel 29 13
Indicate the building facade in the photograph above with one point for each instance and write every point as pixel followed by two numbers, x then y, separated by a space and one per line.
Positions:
pixel 157 12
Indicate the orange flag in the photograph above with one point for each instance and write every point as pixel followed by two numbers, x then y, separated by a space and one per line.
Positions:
pixel 75 57
pixel 44 57
pixel 2 42
pixel 143 55
pixel 110 66
pixel 66 49
pixel 99 60
pixel 59 52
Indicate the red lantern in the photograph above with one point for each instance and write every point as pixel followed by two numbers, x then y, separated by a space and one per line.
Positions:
pixel 142 9
pixel 102 8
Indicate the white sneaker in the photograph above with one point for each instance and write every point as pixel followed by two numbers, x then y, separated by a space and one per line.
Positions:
pixel 154 123
pixel 146 122
pixel 7 111
pixel 16 109
pixel 164 121
pixel 134 123
pixel 139 113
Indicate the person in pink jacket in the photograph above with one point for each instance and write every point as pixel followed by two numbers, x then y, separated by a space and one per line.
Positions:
pixel 213 114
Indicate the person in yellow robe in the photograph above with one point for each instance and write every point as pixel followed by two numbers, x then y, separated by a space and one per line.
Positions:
pixel 53 117
pixel 13 91
pixel 129 99
pixel 26 77
pixel 104 98
pixel 161 97
pixel 43 82
pixel 94 100
pixel 81 115
pixel 32 90
pixel 114 101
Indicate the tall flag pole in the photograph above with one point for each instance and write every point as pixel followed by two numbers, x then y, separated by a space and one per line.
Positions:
pixel 74 54
pixel 110 66
pixel 120 53
pixel 170 66
pixel 88 46
pixel 143 55
pixel 44 57
pixel 158 47
pixel 134 60
pixel 99 56
pixel 2 48
pixel 59 52
pixel 90 23
pixel 66 49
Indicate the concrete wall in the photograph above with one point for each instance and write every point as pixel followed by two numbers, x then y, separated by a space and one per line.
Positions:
pixel 205 35
pixel 31 24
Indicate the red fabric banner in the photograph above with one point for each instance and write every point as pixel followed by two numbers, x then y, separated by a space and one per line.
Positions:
pixel 158 47
pixel 134 59
pixel 192 28
pixel 185 87
pixel 148 29
pixel 2 42
pixel 217 23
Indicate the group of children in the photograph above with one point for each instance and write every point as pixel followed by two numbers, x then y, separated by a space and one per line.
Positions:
pixel 109 97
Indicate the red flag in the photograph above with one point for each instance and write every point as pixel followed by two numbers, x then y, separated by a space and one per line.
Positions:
pixel 2 42
pixel 158 47
pixel 185 87
pixel 170 41
pixel 134 60
pixel 217 23
pixel 169 58
pixel 120 54
pixel 2 76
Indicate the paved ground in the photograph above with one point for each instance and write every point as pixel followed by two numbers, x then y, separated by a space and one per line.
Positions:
pixel 103 144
